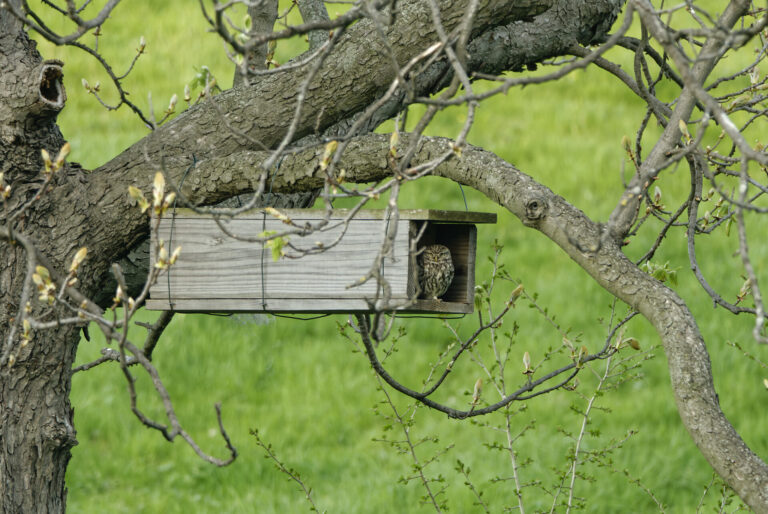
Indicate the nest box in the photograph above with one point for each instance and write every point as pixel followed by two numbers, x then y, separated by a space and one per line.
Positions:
pixel 218 273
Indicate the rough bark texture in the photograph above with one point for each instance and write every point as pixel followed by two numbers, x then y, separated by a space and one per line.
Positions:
pixel 36 430
pixel 263 16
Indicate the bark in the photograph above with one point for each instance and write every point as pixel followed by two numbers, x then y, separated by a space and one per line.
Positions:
pixel 263 16
pixel 314 10
pixel 356 74
pixel 36 430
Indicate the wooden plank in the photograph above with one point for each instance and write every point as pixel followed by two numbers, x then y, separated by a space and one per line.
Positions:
pixel 218 273
pixel 214 265
pixel 436 216
pixel 331 306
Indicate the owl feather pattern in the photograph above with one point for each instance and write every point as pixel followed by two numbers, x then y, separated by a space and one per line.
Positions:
pixel 435 271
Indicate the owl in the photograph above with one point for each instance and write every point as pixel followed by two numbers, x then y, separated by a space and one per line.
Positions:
pixel 435 271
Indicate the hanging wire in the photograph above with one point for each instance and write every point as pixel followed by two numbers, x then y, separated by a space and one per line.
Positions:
pixel 264 229
pixel 263 253
pixel 426 316
pixel 289 316
pixel 466 208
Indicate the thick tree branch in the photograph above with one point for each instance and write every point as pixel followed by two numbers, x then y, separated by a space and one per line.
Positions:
pixel 582 239
pixel 261 111
pixel 314 10
pixel 357 75
pixel 263 15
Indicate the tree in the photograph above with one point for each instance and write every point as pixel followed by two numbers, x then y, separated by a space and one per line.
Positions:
pixel 314 117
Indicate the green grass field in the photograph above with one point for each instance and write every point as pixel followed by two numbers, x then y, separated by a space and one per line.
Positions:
pixel 313 397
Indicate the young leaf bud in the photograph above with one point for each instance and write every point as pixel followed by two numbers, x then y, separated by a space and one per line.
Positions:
pixel 138 196
pixel 626 143
pixel 169 199
pixel 477 391
pixel 517 292
pixel 527 363
pixel 158 189
pixel 63 153
pixel 330 148
pixel 46 160
pixel 393 140
pixel 162 258
pixel 77 259
pixel 118 298
pixel 277 214
pixel 42 272
pixel 175 255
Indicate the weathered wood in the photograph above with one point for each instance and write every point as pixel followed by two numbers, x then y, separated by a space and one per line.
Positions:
pixel 219 273
pixel 213 265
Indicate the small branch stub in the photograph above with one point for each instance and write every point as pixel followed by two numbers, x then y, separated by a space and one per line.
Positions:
pixel 535 209
pixel 52 93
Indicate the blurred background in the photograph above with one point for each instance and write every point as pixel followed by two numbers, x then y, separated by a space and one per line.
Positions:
pixel 314 397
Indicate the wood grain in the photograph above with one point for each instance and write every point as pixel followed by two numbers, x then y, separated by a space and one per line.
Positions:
pixel 219 273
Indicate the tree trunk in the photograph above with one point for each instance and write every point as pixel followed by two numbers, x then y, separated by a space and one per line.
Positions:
pixel 36 431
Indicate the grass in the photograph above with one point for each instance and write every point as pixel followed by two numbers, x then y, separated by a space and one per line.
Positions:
pixel 313 397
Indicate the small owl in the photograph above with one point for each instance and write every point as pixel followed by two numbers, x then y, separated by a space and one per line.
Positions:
pixel 435 271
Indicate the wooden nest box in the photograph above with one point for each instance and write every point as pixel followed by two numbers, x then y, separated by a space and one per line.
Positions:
pixel 218 273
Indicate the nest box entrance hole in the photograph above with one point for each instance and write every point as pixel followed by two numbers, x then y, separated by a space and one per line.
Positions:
pixel 461 240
